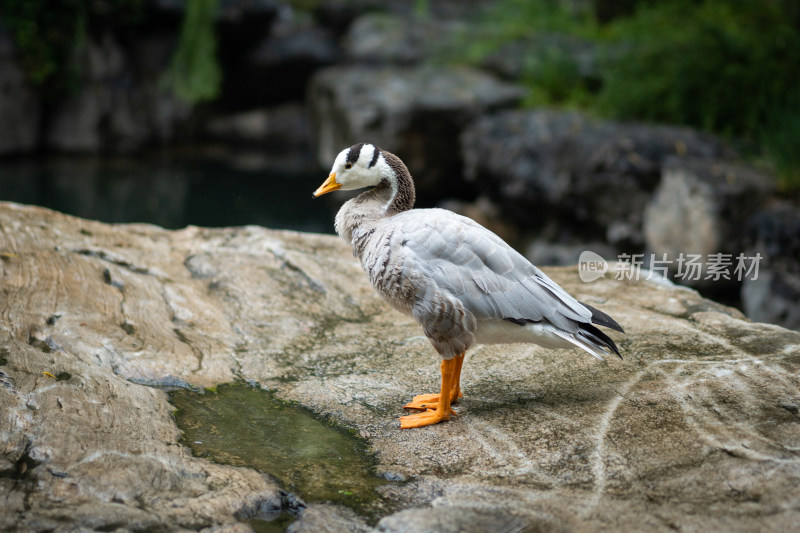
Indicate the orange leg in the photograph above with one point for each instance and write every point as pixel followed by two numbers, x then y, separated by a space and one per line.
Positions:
pixel 442 410
pixel 428 401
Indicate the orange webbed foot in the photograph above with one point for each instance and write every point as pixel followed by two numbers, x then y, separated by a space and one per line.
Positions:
pixel 426 418
pixel 437 406
pixel 429 401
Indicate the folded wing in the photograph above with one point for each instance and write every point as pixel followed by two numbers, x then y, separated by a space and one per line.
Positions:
pixel 492 279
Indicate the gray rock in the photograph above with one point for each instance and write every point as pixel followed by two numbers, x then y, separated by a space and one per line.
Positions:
pixel 324 518
pixel 114 110
pixel 19 104
pixel 273 129
pixel 594 177
pixel 774 296
pixel 160 112
pixel 76 123
pixel 342 15
pixel 775 231
pixel 700 207
pixel 230 11
pixel 461 520
pixel 291 42
pixel 383 38
pixel 238 10
pixel 276 66
pixel 696 429
pixel 416 112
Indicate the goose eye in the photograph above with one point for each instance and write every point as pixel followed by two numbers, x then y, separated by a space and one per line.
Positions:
pixel 348 166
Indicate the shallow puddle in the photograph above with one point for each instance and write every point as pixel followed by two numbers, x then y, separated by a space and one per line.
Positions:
pixel 242 425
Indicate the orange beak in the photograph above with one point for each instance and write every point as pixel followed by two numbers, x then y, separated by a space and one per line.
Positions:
pixel 330 185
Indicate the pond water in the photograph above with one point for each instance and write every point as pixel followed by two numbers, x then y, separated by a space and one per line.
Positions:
pixel 240 425
pixel 203 187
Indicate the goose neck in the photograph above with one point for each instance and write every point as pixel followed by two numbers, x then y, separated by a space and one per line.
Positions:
pixel 399 185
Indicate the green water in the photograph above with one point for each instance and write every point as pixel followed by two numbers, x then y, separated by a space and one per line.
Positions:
pixel 172 189
pixel 245 426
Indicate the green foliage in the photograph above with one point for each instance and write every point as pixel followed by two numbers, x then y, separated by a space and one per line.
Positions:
pixel 781 141
pixel 46 34
pixel 513 19
pixel 727 66
pixel 718 65
pixel 49 34
pixel 422 9
pixel 551 74
pixel 554 78
pixel 195 74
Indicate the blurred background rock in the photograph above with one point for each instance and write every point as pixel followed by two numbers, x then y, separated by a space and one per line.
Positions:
pixel 639 126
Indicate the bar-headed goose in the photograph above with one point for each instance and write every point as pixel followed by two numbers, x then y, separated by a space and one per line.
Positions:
pixel 461 282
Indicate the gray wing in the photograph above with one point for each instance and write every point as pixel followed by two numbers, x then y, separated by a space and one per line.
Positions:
pixel 475 266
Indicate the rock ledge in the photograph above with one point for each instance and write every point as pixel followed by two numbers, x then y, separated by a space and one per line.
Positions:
pixel 697 429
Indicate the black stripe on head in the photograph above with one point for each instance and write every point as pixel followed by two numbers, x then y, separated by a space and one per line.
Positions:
pixel 353 153
pixel 375 156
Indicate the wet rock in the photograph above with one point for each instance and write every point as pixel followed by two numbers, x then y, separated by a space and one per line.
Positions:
pixel 696 429
pixel 96 451
pixel 325 518
pixel 774 295
pixel 459 520
pixel 415 112
pixel 595 177
pixel 700 207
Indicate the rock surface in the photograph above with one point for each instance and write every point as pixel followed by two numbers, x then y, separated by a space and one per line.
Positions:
pixel 277 67
pixel 386 39
pixel 110 112
pixel 697 429
pixel 700 207
pixel 774 297
pixel 277 129
pixel 19 103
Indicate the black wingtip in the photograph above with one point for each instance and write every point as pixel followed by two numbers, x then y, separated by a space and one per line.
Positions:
pixel 599 337
pixel 602 319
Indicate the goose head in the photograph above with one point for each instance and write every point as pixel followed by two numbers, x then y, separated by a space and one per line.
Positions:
pixel 362 165
pixel 365 165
